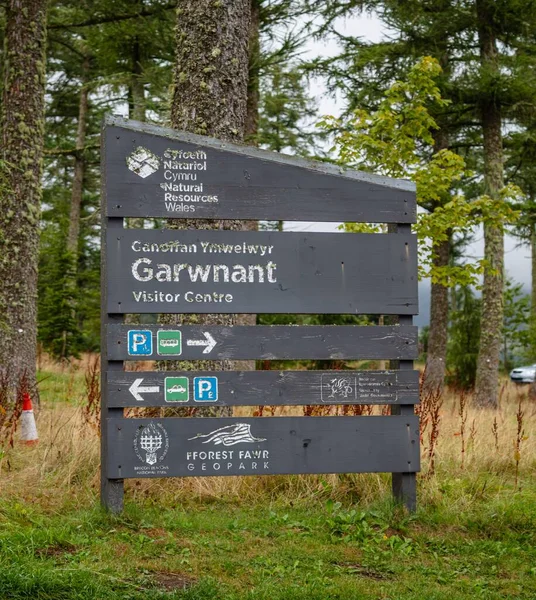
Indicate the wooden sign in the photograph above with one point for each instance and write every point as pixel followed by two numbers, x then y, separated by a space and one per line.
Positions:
pixel 170 271
pixel 261 342
pixel 153 172
pixel 157 172
pixel 261 446
pixel 262 388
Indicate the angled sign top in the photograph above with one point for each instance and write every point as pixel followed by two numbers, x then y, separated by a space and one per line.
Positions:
pixel 157 172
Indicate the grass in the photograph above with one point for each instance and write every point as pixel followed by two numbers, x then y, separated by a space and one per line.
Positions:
pixel 271 550
pixel 273 538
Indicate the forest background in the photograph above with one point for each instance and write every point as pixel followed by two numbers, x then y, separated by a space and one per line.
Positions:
pixel 445 99
pixel 463 131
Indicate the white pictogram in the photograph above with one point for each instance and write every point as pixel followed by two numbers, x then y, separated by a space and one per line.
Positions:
pixel 176 388
pixel 209 342
pixel 143 162
pixel 229 436
pixel 136 389
pixel 341 387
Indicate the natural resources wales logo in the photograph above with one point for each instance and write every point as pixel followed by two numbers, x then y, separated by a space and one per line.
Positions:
pixel 143 162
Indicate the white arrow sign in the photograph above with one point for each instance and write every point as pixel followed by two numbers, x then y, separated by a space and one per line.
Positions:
pixel 136 389
pixel 209 342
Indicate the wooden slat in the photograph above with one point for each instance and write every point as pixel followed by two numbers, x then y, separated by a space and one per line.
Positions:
pixel 176 447
pixel 170 271
pixel 273 342
pixel 262 388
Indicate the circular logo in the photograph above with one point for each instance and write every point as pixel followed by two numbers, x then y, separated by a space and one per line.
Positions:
pixel 151 443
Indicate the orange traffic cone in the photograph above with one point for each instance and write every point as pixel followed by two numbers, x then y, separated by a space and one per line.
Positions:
pixel 28 430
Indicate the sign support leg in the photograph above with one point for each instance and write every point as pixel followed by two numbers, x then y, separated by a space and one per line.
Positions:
pixel 111 489
pixel 404 485
pixel 405 490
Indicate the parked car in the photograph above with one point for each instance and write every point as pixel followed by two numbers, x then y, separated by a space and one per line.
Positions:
pixel 176 388
pixel 523 374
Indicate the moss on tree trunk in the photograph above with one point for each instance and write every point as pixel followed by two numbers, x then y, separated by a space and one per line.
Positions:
pixel 252 112
pixel 22 132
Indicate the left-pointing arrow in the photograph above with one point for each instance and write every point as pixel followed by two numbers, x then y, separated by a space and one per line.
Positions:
pixel 136 389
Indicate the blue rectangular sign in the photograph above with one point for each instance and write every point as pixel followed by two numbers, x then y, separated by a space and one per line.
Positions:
pixel 205 389
pixel 140 342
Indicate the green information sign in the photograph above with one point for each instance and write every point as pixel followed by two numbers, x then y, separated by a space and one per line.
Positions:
pixel 176 389
pixel 169 342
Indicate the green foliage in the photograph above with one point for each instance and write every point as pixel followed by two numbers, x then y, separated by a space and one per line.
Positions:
pixel 58 330
pixel 285 106
pixel 516 319
pixel 397 140
pixel 387 139
pixel 424 337
pixel 464 337
pixel 68 286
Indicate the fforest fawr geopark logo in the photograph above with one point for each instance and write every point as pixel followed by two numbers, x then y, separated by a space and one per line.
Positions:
pixel 151 443
pixel 239 433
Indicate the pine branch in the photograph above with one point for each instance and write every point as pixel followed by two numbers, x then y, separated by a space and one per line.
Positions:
pixel 100 20
pixel 70 151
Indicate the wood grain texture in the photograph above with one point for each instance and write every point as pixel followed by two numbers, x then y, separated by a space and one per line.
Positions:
pixel 248 183
pixel 269 388
pixel 299 272
pixel 283 342
pixel 268 446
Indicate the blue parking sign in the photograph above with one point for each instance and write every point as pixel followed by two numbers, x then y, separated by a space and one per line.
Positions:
pixel 140 342
pixel 205 389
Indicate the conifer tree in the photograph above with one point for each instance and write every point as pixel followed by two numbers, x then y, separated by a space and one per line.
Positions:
pixel 484 89
pixel 489 105
pixel 101 58
pixel 363 71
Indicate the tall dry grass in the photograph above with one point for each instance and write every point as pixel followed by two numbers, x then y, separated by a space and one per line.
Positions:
pixel 457 440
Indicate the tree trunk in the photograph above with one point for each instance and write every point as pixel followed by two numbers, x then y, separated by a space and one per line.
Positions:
pixel 487 373
pixel 136 109
pixel 210 98
pixel 533 289
pixel 252 111
pixel 79 165
pixel 250 136
pixel 437 339
pixel 22 133
pixel 77 191
pixel 211 75
pixel 436 357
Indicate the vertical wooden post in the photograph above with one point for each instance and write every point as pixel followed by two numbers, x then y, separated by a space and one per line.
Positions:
pixel 111 489
pixel 404 485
